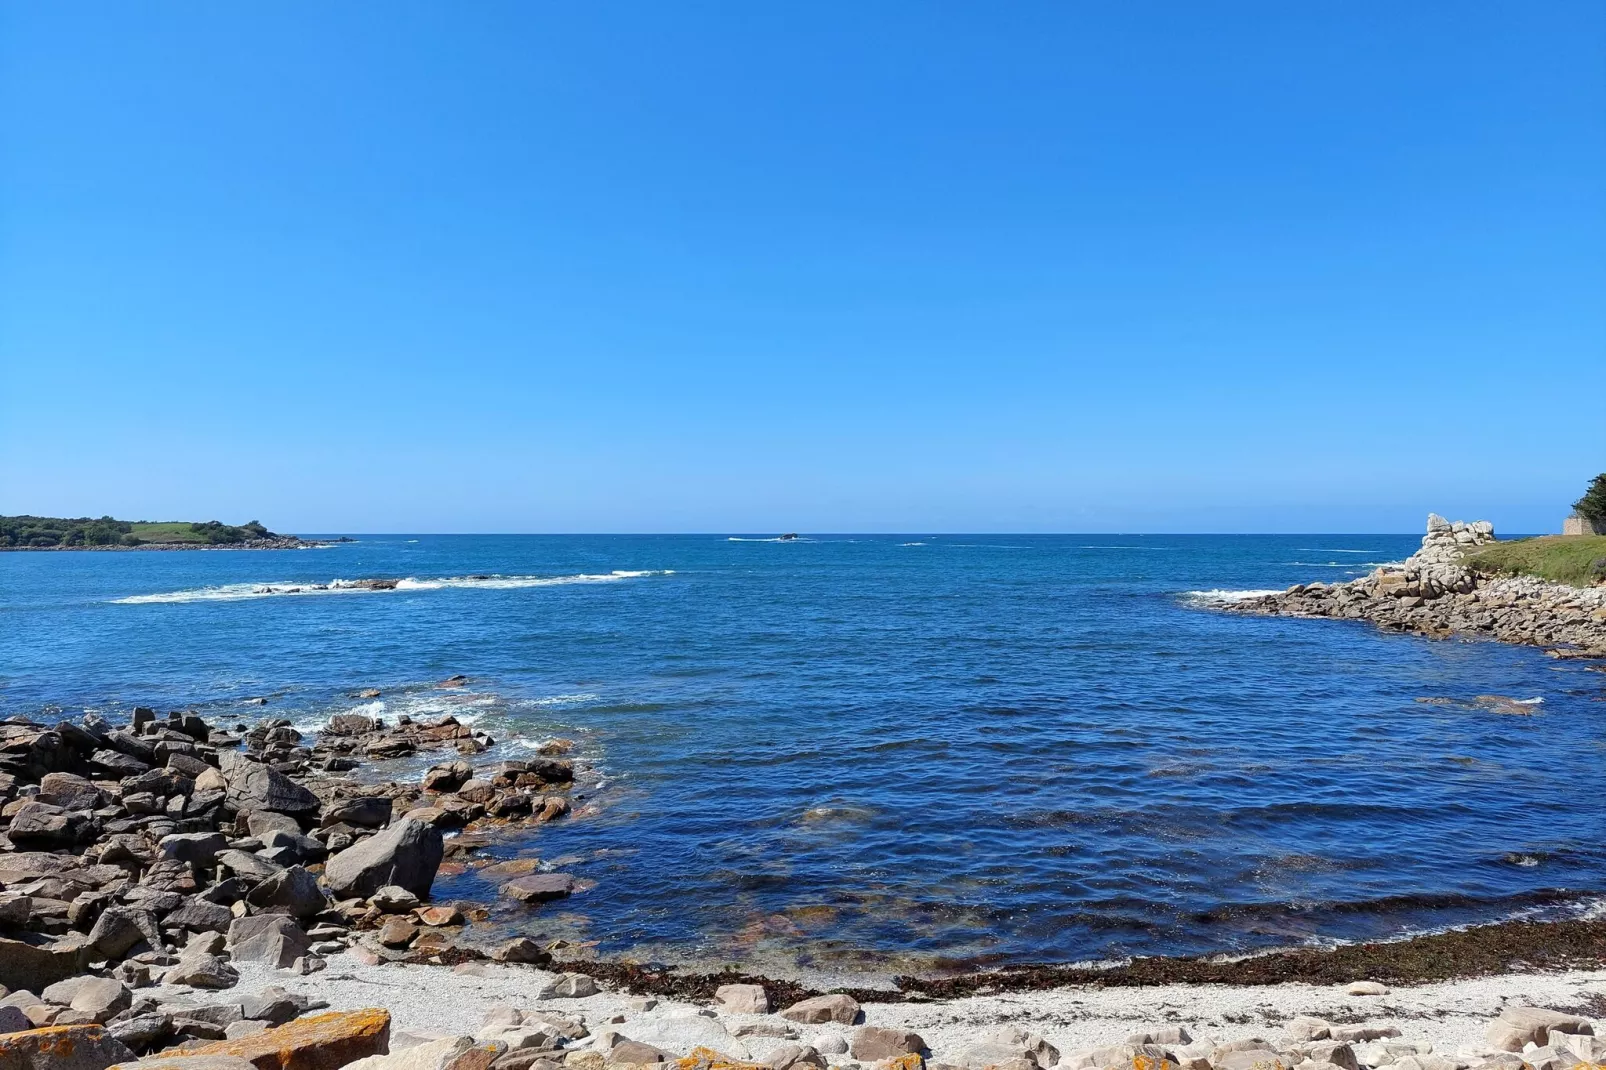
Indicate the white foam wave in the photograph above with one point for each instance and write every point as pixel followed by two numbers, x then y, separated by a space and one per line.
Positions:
pixel 233 592
pixel 738 538
pixel 911 544
pixel 564 700
pixel 1218 594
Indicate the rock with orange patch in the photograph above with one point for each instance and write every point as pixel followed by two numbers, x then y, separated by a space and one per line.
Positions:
pixel 62 1047
pixel 321 1042
pixel 709 1059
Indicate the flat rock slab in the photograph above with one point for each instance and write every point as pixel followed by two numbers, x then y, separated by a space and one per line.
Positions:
pixel 322 1042
pixel 62 1047
pixel 539 887
pixel 188 1062
pixel 34 963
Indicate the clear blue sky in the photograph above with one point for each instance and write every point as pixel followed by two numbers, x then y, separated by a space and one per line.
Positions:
pixel 666 266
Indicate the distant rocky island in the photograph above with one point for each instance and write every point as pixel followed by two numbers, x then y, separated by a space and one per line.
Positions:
pixel 106 533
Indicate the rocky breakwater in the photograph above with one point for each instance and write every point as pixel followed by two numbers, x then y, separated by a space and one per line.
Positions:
pixel 158 856
pixel 1434 592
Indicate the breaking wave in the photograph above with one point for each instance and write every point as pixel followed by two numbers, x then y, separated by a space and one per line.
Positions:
pixel 234 592
pixel 1217 595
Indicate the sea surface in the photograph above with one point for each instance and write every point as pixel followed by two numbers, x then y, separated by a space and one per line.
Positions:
pixel 897 753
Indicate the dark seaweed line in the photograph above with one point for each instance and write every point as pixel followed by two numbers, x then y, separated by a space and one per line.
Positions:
pixel 1506 947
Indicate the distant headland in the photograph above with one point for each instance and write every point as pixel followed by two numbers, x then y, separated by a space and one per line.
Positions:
pixel 85 533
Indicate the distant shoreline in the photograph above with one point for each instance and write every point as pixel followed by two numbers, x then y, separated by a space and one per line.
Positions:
pixel 289 542
pixel 27 532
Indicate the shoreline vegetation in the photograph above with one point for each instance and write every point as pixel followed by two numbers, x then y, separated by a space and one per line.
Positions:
pixel 107 533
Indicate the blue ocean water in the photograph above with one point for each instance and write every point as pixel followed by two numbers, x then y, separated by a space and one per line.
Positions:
pixel 898 752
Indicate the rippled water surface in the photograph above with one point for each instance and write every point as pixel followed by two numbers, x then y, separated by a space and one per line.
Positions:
pixel 913 751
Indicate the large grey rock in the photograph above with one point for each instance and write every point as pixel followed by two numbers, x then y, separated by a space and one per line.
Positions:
pixel 200 916
pixel 15 911
pixel 101 997
pixel 821 1009
pixel 218 1014
pixel 288 848
pixel 875 1042
pixel 261 822
pixel 742 999
pixel 120 928
pixel 271 938
pixel 1335 1053
pixel 252 868
pixel 70 792
pixel 143 1031
pixel 197 848
pixel 37 824
pixel 407 854
pixel 274 1005
pixel 293 891
pixel 202 971
pixel 117 764
pixel 31 960
pixel 1520 1026
pixel 797 1057
pixel 254 786
pixel 368 811
pixel 352 724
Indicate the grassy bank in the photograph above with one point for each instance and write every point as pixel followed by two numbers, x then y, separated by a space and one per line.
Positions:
pixel 1576 559
pixel 44 532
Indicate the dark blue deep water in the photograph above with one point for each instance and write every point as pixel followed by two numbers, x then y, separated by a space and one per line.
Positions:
pixel 901 752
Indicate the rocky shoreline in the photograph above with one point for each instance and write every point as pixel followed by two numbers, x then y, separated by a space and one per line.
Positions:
pixel 147 867
pixel 1434 593
pixel 282 542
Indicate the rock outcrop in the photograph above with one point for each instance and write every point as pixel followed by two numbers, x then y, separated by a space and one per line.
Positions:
pixel 1434 593
pixel 169 851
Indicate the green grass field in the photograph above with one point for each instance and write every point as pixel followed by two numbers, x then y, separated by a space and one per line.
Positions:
pixel 167 531
pixel 1576 559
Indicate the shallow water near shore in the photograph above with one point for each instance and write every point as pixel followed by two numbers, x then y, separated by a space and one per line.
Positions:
pixel 898 753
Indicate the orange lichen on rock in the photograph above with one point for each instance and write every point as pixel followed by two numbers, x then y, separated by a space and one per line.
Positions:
pixel 912 1061
pixel 1150 1062
pixel 709 1059
pixel 321 1042
pixel 65 1046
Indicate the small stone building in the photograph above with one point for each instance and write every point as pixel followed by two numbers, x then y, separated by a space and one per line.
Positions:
pixel 1579 524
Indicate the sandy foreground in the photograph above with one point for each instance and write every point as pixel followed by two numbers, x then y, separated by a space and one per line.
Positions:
pixel 430 1001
